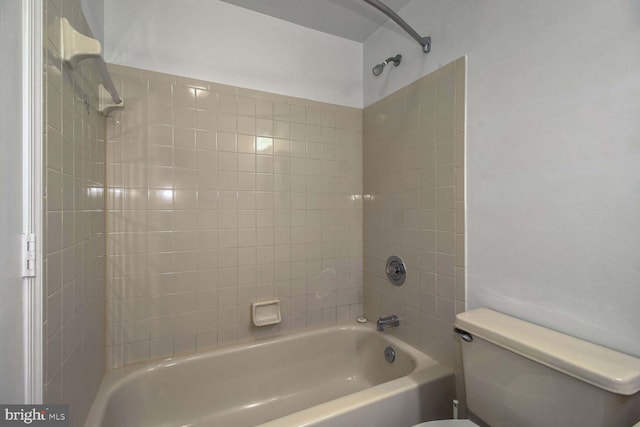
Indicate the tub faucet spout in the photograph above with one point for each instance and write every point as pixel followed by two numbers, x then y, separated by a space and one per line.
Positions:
pixel 386 322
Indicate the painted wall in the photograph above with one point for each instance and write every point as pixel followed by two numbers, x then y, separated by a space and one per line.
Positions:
pixel 11 315
pixel 93 11
pixel 216 41
pixel 553 147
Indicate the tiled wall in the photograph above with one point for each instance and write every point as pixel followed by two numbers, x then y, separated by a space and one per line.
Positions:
pixel 74 244
pixel 220 196
pixel 414 208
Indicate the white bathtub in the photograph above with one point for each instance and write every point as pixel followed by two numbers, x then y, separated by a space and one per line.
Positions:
pixel 336 376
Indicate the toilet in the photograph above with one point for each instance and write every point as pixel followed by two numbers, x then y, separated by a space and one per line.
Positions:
pixel 518 374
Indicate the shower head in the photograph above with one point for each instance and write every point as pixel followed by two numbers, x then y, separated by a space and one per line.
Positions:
pixel 377 70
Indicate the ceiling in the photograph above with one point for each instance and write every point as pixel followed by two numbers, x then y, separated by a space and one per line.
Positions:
pixel 349 19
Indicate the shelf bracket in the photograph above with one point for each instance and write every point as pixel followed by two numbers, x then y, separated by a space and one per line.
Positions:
pixel 75 46
pixel 105 102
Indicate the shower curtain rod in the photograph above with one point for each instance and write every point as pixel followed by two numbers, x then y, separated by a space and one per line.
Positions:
pixel 75 47
pixel 425 42
pixel 107 81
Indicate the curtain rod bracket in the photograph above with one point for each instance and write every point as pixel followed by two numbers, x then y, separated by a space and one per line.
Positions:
pixel 75 47
pixel 105 102
pixel 425 42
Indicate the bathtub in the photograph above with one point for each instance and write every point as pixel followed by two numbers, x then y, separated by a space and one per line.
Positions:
pixel 336 376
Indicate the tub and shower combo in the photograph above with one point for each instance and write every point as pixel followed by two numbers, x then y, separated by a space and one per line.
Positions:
pixel 343 375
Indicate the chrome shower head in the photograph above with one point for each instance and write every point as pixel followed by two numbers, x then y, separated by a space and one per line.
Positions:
pixel 377 70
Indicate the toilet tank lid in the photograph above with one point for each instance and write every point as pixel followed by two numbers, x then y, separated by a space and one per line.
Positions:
pixel 599 366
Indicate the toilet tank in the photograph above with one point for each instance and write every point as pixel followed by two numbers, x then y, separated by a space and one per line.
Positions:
pixel 518 374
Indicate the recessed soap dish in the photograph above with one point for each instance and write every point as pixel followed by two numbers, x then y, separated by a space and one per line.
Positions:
pixel 265 313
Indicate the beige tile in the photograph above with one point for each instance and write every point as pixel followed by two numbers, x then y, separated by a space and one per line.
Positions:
pixel 459 150
pixel 161 114
pixel 444 197
pixel 160 135
pixel 264 108
pixel 264 127
pixel 227 161
pixel 184 158
pixel 184 344
pixel 446 242
pixel 264 145
pixel 460 118
pixel 160 199
pixel 227 122
pixel 250 93
pixel 427 177
pixel 246 106
pixel 160 177
pixel 227 200
pixel 246 182
pixel 246 200
pixel 246 163
pixel 207 261
pixel 246 125
pixel 184 96
pixel 445 219
pixel 185 199
pixel 206 339
pixel 222 89
pixel 444 153
pixel 185 117
pixel 246 143
pixel 207 199
pixel 460 218
pixel 281 111
pixel 460 284
pixel 160 156
pixel 298 148
pixel 194 83
pixel 206 160
pixel 445 175
pixel 459 185
pixel 460 250
pixel 297 113
pixel 206 100
pixel 428 198
pixel 136 352
pixel 427 100
pixel 206 120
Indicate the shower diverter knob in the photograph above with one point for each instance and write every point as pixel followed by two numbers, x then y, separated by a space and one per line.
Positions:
pixel 396 270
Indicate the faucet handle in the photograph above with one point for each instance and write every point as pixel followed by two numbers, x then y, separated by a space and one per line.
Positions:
pixel 396 270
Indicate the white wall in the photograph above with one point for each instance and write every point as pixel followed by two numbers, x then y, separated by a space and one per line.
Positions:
pixel 553 153
pixel 11 285
pixel 216 41
pixel 93 11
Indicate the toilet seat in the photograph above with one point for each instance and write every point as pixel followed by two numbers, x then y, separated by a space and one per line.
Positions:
pixel 447 423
